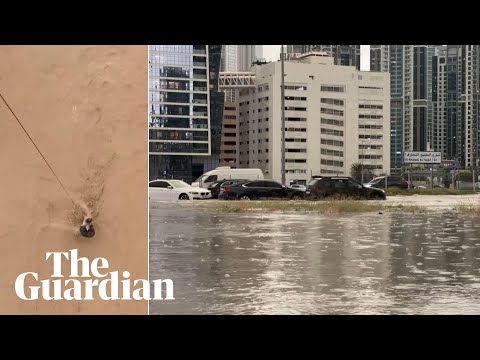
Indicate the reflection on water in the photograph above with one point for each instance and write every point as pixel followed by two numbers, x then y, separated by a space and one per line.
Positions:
pixel 312 264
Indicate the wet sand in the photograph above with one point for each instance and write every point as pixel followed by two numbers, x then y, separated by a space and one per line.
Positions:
pixel 85 107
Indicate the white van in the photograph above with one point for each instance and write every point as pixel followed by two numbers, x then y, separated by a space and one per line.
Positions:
pixel 227 173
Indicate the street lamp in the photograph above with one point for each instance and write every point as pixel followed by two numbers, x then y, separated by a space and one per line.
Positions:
pixel 362 160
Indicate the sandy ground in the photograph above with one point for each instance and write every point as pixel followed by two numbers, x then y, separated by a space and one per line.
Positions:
pixel 85 107
pixel 440 202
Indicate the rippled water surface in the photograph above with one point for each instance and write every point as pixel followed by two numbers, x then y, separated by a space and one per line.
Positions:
pixel 267 263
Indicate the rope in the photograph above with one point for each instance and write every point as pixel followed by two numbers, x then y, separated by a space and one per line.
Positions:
pixel 36 147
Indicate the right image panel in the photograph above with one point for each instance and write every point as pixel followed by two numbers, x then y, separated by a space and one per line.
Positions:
pixel 314 179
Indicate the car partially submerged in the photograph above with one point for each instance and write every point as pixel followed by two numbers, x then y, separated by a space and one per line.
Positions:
pixel 259 189
pixel 172 190
pixel 342 187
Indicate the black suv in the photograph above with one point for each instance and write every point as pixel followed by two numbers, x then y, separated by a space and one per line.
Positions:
pixel 259 189
pixel 341 186
pixel 392 181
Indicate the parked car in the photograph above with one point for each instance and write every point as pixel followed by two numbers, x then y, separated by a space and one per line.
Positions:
pixel 259 189
pixel 326 186
pixel 215 187
pixel 299 187
pixel 171 190
pixel 227 173
pixel 392 181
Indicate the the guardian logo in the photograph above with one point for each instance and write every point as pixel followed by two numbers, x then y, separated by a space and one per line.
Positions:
pixel 86 280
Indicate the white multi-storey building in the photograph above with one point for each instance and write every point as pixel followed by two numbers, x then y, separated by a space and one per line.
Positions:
pixel 335 116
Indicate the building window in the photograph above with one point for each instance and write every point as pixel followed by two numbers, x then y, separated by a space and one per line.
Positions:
pixel 331 122
pixel 338 102
pixel 296 150
pixel 333 88
pixel 296 171
pixel 370 106
pixel 296 98
pixel 372 117
pixel 298 161
pixel 295 108
pixel 370 137
pixel 331 132
pixel 331 152
pixel 370 147
pixel 378 127
pixel 370 157
pixel 331 162
pixel 331 142
pixel 331 111
pixel 296 87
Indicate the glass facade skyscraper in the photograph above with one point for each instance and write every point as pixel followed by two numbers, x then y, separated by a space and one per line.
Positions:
pixel 181 81
pixel 457 97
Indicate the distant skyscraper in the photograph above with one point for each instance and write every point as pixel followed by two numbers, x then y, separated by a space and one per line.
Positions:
pixel 380 58
pixel 230 58
pixel 412 107
pixel 412 111
pixel 456 103
pixel 186 110
pixel 247 55
pixel 439 99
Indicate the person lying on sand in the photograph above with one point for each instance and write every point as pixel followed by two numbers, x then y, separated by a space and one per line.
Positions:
pixel 86 229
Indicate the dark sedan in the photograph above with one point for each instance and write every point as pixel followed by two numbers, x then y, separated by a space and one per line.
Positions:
pixel 259 189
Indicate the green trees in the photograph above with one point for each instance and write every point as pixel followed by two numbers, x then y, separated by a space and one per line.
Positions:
pixel 356 173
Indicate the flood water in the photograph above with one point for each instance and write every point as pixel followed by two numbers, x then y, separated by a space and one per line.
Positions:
pixel 266 263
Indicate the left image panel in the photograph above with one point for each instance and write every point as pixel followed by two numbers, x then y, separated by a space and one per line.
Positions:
pixel 73 147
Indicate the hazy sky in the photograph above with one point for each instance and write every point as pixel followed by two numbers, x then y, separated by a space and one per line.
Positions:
pixel 271 52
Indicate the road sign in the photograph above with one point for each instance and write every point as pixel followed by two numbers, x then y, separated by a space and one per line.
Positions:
pixel 422 157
